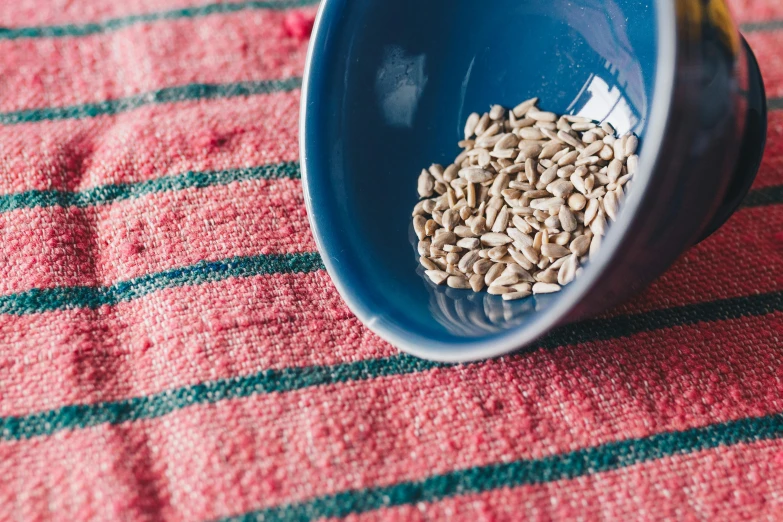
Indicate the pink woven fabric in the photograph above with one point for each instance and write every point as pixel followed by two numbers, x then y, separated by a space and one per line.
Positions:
pixel 171 348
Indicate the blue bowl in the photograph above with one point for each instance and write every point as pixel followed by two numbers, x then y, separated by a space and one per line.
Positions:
pixel 387 90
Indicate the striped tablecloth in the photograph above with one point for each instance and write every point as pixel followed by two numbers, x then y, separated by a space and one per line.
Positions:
pixel 172 349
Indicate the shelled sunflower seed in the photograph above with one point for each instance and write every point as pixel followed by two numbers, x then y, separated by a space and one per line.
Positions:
pixel 525 203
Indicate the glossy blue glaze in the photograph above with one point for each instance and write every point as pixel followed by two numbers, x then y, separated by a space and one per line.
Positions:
pixel 387 91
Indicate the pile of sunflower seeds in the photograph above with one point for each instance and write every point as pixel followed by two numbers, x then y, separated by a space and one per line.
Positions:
pixel 525 202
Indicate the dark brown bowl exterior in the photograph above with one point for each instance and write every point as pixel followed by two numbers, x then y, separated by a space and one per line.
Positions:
pixel 710 154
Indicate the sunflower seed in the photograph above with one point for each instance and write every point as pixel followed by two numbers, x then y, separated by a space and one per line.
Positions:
pixel 498 290
pixel 552 222
pixel 632 164
pixel 505 280
pixel 545 288
pixel 530 133
pixel 615 170
pixel 478 227
pixel 547 276
pixel 590 160
pixel 558 263
pixel 522 123
pixel 589 184
pixel 570 140
pixel 591 211
pixel 519 272
pixel 580 245
pixel 546 203
pixel 483 158
pixel 521 225
pixel 567 271
pixel 456 281
pixel 508 141
pixel 426 263
pixel 493 239
pixel 512 296
pixel 547 177
pixel 476 282
pixel 482 124
pixel 541 115
pixel 576 202
pixel 496 112
pixel 595 245
pixel 590 137
pixel 579 183
pixel 631 143
pixel 497 253
pixel 554 250
pixel 520 259
pixel 437 276
pixel 436 252
pixel 482 266
pixel 619 149
pixel 493 273
pixel 528 149
pixel 607 153
pixel 550 149
pixel 426 184
pixel 468 260
pixel 475 174
pixel 521 109
pixel 567 219
pixel 492 213
pixel 443 237
pixel 610 205
pixel 560 188
pixel 430 226
pixel 469 243
pixel 592 149
pixel 450 219
pixel 513 169
pixel 470 124
pixel 501 221
pixel 583 126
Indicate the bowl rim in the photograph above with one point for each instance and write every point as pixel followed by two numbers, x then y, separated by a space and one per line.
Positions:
pixel 518 336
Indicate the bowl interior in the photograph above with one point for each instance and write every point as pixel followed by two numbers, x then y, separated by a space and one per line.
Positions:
pixel 389 87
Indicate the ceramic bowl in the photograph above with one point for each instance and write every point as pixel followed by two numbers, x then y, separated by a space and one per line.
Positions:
pixel 388 87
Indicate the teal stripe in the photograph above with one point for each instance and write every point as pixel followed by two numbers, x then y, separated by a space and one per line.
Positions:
pixel 193 91
pixel 764 25
pixel 114 24
pixel 106 194
pixel 764 196
pixel 571 465
pixel 290 379
pixel 152 406
pixel 48 299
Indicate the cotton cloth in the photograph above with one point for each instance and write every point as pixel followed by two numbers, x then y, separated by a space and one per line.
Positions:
pixel 171 347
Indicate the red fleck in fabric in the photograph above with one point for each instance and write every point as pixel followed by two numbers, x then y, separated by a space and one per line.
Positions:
pixel 172 349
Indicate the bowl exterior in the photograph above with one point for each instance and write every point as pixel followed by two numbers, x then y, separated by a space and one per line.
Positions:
pixel 709 156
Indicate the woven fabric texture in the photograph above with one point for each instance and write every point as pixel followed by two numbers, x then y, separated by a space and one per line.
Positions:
pixel 172 349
